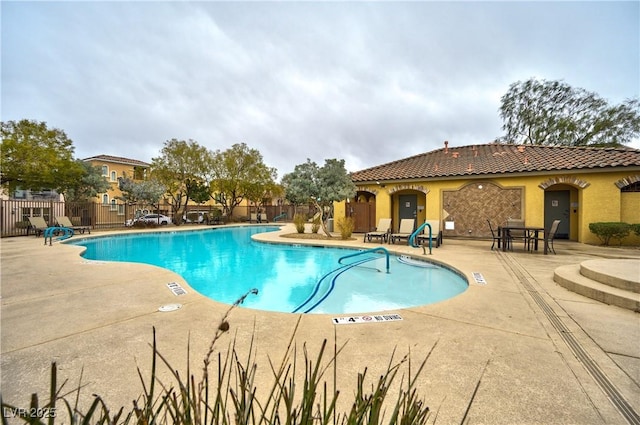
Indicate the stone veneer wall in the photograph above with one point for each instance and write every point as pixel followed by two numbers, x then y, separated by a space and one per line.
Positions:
pixel 471 206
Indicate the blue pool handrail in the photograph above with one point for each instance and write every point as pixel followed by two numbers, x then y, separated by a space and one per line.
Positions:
pixel 337 272
pixel 378 249
pixel 414 235
pixel 280 216
pixel 52 231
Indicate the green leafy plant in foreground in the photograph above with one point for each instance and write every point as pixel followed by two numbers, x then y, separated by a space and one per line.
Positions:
pixel 230 396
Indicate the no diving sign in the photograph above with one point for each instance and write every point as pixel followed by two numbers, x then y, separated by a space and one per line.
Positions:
pixel 479 278
pixel 176 288
pixel 366 319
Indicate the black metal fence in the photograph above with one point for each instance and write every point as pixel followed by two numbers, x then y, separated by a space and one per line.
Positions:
pixel 14 214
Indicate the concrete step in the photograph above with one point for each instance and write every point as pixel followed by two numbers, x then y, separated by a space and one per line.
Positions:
pixel 571 278
pixel 622 274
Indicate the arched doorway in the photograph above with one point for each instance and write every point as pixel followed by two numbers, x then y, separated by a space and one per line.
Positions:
pixel 561 196
pixel 362 208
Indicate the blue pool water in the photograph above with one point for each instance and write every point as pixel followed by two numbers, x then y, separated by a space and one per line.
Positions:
pixel 224 263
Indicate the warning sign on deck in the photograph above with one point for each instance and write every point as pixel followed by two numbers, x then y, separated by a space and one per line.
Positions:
pixel 479 278
pixel 176 288
pixel 366 319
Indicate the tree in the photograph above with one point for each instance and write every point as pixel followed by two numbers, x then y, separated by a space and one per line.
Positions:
pixel 321 186
pixel 239 173
pixel 90 184
pixel 180 165
pixel 199 191
pixel 145 192
pixel 301 184
pixel 36 157
pixel 554 113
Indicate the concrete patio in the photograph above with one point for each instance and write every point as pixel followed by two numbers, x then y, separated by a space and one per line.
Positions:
pixel 518 349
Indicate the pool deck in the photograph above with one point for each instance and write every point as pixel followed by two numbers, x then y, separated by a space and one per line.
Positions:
pixel 517 349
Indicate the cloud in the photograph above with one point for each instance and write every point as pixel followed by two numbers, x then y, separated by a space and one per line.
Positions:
pixel 368 82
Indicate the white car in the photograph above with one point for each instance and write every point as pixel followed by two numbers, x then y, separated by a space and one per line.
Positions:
pixel 194 217
pixel 153 219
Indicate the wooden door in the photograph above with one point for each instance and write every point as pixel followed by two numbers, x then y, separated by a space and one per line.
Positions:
pixel 363 214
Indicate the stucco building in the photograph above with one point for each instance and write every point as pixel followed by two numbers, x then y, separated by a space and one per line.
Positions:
pixel 464 186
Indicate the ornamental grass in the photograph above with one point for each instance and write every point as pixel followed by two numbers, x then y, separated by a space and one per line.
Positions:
pixel 224 392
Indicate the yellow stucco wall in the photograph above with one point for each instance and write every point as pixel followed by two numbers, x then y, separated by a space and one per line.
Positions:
pixel 120 170
pixel 594 197
pixel 630 206
pixel 339 209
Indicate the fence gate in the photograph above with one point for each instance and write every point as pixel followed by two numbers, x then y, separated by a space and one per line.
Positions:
pixel 363 214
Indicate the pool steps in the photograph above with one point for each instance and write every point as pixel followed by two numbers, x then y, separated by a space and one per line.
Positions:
pixel 302 308
pixel 336 273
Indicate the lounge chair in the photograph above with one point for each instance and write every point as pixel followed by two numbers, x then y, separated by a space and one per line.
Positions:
pixel 436 233
pixel 381 232
pixel 405 230
pixel 263 218
pixel 253 218
pixel 65 222
pixel 38 225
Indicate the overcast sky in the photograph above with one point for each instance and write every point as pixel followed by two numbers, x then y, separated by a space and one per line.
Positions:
pixel 368 82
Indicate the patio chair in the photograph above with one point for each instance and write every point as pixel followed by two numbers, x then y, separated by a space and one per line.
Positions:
pixel 65 222
pixel 548 238
pixel 253 218
pixel 405 230
pixel 517 234
pixel 496 237
pixel 436 233
pixel 38 225
pixel 381 232
pixel 263 218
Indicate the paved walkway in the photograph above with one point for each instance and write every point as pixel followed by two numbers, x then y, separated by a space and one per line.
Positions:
pixel 517 350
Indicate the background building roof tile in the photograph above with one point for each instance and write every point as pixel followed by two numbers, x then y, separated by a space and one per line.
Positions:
pixel 117 160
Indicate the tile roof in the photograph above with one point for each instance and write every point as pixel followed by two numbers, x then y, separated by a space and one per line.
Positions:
pixel 495 158
pixel 117 160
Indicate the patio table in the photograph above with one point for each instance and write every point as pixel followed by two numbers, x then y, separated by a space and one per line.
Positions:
pixel 531 232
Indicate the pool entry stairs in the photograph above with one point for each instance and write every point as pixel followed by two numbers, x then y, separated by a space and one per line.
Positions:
pixel 327 283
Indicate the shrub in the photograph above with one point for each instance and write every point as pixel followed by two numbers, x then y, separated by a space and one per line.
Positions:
pixel 635 228
pixel 229 396
pixel 345 226
pixel 315 225
pixel 144 225
pixel 607 231
pixel 299 220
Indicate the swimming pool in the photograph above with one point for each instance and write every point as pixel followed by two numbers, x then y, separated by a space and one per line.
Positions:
pixel 225 263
